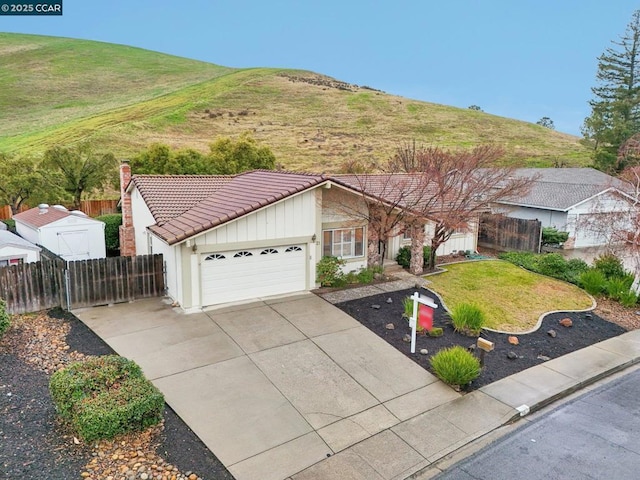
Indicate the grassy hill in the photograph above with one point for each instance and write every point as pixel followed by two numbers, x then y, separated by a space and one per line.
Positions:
pixel 56 91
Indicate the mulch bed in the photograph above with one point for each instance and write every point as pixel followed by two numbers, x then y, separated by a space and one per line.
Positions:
pixel 533 348
pixel 34 444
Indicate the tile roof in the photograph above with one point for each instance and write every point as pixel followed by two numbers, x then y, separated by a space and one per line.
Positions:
pixel 238 196
pixel 35 218
pixel 562 188
pixel 402 189
pixel 11 239
pixel 168 196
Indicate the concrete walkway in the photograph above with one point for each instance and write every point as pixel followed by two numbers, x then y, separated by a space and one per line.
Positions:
pixel 295 388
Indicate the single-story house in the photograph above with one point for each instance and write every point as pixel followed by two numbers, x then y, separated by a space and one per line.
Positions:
pixel 255 234
pixel 580 201
pixel 71 234
pixel 15 250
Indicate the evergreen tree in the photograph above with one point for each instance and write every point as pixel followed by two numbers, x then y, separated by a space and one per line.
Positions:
pixel 615 108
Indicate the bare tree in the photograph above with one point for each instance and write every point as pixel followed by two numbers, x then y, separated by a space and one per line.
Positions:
pixel 462 184
pixel 389 203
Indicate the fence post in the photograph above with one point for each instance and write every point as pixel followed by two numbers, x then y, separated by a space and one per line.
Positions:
pixel 67 289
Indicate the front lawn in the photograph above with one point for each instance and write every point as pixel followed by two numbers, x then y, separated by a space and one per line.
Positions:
pixel 512 298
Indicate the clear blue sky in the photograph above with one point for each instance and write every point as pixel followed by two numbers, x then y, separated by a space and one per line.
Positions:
pixel 523 59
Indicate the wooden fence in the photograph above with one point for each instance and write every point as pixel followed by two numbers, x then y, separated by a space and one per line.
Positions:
pixel 93 208
pixel 55 283
pixel 499 232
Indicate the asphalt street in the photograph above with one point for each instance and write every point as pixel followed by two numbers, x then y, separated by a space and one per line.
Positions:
pixel 595 436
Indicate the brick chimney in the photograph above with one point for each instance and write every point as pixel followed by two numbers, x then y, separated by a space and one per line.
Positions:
pixel 127 237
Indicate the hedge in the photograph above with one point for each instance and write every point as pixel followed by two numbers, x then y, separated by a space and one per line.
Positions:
pixel 105 396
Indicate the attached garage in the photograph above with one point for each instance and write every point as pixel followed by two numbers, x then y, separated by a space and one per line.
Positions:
pixel 252 273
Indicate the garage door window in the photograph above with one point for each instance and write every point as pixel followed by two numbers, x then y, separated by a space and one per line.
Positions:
pixel 215 256
pixel 244 253
pixel 268 251
pixel 344 242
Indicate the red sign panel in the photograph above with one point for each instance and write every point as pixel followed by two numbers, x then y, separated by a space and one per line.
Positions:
pixel 425 317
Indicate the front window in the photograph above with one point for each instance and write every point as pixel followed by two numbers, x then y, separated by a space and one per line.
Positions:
pixel 344 242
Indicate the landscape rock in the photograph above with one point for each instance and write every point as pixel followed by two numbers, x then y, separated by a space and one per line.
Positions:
pixel 588 316
pixel 513 340
pixel 512 355
pixel 375 306
pixel 566 322
pixel 406 338
pixel 544 358
pixel 424 351
pixel 552 333
pixel 389 300
pixel 472 347
pixel 390 326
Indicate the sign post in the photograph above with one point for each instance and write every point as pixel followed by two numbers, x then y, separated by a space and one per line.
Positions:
pixel 426 315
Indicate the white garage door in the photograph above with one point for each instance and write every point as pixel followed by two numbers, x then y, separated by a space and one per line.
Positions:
pixel 258 272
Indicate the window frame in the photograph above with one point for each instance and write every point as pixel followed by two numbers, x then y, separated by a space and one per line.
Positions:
pixel 352 238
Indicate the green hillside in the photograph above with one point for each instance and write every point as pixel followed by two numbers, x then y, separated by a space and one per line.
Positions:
pixel 59 91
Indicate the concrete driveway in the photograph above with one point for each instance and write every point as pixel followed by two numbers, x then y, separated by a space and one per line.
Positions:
pixel 275 386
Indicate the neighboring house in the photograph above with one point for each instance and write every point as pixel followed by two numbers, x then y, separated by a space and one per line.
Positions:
pixel 579 201
pixel 70 234
pixel 233 238
pixel 15 250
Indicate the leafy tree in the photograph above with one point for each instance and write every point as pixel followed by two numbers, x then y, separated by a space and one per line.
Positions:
pixel 227 156
pixel 20 180
pixel 476 108
pixel 160 159
pixel 546 122
pixel 78 169
pixel 615 108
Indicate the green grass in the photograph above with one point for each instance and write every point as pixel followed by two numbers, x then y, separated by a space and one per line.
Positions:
pixel 512 298
pixel 60 91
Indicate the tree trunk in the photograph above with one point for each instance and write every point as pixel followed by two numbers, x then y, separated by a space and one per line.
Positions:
pixel 417 246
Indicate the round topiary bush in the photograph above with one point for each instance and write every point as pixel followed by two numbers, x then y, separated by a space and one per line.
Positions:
pixel 455 366
pixel 106 396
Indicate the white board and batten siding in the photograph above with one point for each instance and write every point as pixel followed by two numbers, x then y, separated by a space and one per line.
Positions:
pixel 268 252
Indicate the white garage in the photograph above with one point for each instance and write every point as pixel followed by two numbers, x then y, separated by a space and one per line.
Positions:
pixel 252 273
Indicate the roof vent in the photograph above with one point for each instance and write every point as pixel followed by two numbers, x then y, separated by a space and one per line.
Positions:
pixel 43 208
pixel 60 207
pixel 78 213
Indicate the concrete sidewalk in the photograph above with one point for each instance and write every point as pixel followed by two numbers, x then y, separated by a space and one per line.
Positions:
pixel 295 388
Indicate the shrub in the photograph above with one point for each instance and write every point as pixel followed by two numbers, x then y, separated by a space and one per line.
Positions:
pixel 575 267
pixel 105 396
pixel 551 236
pixel 552 265
pixel 366 275
pixel 628 299
pixel 615 287
pixel 522 259
pixel 467 318
pixel 11 224
pixel 348 279
pixel 407 303
pixel 610 265
pixel 455 366
pixel 593 281
pixel 329 271
pixel 111 230
pixel 435 332
pixel 426 253
pixel 404 257
pixel 5 319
